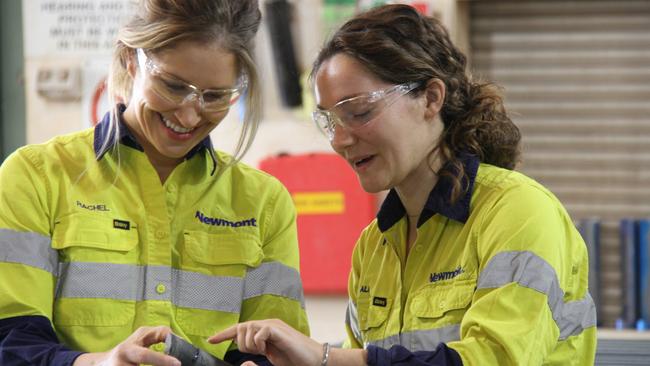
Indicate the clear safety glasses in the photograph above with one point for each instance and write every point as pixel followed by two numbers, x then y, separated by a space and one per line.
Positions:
pixel 357 111
pixel 177 91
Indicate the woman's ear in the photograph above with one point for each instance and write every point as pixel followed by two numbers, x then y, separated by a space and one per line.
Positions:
pixel 131 63
pixel 435 97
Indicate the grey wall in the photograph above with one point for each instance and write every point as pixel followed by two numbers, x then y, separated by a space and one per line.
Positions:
pixel 12 88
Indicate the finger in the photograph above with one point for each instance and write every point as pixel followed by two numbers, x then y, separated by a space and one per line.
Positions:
pixel 228 333
pixel 249 363
pixel 261 337
pixel 152 335
pixel 241 337
pixel 140 355
pixel 250 341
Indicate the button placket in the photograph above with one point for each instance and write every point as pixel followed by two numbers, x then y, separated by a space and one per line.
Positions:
pixel 158 280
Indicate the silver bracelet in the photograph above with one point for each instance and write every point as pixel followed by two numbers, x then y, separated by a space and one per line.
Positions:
pixel 326 354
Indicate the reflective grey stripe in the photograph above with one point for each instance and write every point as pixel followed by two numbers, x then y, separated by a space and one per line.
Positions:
pixel 352 320
pixel 529 270
pixel 151 276
pixel 274 278
pixel 421 340
pixel 182 288
pixel 200 291
pixel 28 248
pixel 385 343
pixel 98 280
pixel 576 316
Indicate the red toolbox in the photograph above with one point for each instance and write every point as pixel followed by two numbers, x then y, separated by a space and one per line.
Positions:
pixel 332 210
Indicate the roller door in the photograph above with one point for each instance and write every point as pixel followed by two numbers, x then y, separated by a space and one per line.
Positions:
pixel 577 81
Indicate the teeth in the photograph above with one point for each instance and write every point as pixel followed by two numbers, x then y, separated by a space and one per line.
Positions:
pixel 361 161
pixel 175 127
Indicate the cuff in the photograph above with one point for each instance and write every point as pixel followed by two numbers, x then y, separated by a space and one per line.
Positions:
pixel 65 358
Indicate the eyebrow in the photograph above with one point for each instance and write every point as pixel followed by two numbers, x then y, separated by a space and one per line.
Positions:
pixel 169 74
pixel 345 98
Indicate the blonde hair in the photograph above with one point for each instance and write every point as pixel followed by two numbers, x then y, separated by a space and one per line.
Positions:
pixel 161 24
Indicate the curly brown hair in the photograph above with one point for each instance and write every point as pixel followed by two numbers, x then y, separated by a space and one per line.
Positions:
pixel 398 45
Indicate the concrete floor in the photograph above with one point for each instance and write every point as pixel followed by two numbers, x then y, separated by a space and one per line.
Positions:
pixel 326 316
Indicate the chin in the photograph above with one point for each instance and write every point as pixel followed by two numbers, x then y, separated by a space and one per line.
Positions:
pixel 173 154
pixel 372 187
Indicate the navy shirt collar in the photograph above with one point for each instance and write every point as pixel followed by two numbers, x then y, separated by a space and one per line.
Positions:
pixel 439 200
pixel 102 132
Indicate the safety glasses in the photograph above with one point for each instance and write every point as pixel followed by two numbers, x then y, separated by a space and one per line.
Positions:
pixel 357 111
pixel 178 92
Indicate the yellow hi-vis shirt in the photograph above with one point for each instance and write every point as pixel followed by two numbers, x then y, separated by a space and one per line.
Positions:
pixel 101 247
pixel 500 277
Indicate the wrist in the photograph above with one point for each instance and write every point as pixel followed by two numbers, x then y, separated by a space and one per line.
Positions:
pixel 347 357
pixel 326 354
pixel 89 359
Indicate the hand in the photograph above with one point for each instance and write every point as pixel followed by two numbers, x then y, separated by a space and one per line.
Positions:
pixel 280 343
pixel 133 351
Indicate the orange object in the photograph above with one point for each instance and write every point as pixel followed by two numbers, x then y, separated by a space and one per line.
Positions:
pixel 422 7
pixel 332 210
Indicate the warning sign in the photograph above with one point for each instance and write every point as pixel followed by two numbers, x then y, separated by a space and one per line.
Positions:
pixel 319 203
pixel 55 28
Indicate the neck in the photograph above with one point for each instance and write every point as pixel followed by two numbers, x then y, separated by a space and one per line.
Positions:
pixel 414 191
pixel 163 165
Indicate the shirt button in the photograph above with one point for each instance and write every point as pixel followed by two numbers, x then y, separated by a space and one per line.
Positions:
pixel 160 235
pixel 441 305
pixel 160 288
pixel 159 347
pixel 171 188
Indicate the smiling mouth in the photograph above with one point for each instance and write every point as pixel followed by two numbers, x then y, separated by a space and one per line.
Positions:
pixel 363 161
pixel 174 127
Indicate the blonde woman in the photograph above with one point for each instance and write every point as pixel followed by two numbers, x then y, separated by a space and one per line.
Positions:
pixel 113 237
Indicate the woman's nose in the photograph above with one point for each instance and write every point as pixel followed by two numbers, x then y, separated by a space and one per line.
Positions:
pixel 342 137
pixel 189 114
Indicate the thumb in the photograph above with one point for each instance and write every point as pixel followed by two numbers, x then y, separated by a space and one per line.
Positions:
pixel 249 363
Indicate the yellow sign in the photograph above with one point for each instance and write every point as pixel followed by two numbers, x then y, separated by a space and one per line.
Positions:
pixel 319 203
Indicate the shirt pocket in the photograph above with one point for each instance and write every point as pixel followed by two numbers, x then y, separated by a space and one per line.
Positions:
pixel 373 313
pixel 441 304
pixel 214 269
pixel 232 253
pixel 98 272
pixel 90 238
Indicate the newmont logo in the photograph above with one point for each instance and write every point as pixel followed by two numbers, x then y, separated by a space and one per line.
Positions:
pixel 442 276
pixel 214 221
